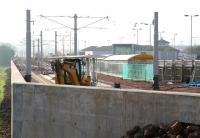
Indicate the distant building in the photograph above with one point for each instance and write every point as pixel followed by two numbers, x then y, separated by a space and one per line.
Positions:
pixel 126 49
pixel 97 51
pixel 165 52
pixel 123 49
pixel 163 42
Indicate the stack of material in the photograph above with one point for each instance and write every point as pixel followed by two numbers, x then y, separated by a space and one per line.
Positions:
pixel 193 84
pixel 174 130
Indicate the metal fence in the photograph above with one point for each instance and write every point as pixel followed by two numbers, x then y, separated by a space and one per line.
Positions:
pixel 131 71
pixel 114 69
pixel 138 72
pixel 169 70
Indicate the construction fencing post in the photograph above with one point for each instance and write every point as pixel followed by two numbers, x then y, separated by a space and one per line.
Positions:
pixel 94 79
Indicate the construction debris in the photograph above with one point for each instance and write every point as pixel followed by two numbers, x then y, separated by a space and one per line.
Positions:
pixel 174 130
pixel 193 84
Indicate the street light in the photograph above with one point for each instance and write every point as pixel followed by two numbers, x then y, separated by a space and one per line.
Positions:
pixel 161 33
pixel 136 28
pixel 191 28
pixel 149 32
pixel 137 32
pixel 172 41
pixel 174 38
pixel 195 38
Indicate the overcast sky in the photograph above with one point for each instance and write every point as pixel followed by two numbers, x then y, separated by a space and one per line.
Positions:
pixel 119 29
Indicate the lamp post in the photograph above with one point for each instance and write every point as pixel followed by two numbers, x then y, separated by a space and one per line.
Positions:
pixel 191 28
pixel 137 29
pixel 174 38
pixel 149 32
pixel 161 33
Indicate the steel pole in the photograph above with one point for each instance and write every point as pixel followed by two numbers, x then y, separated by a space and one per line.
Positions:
pixel 38 57
pixel 191 36
pixel 75 34
pixel 150 34
pixel 137 35
pixel 70 43
pixel 56 53
pixel 174 41
pixel 28 46
pixel 94 79
pixel 155 59
pixel 41 44
pixel 33 49
pixel 41 55
pixel 63 45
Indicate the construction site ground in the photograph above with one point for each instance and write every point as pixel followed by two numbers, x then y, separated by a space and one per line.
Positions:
pixel 109 81
pixel 144 85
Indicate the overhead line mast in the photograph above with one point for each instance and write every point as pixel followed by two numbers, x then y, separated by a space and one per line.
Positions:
pixel 75 25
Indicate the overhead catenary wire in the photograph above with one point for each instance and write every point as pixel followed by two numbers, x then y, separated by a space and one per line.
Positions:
pixel 93 22
pixel 73 17
pixel 75 29
pixel 101 28
pixel 65 26
pixel 49 29
pixel 56 22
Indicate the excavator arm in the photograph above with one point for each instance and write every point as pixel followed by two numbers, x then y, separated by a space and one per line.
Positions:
pixel 67 73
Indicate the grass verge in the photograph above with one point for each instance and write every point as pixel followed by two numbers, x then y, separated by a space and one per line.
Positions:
pixel 5 103
pixel 2 83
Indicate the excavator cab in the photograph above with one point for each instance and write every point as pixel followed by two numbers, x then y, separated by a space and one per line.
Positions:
pixel 70 71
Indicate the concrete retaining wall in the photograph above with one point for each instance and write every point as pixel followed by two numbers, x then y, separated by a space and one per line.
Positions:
pixel 58 111
pixel 81 112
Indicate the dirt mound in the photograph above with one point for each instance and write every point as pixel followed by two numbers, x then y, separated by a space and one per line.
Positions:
pixel 174 130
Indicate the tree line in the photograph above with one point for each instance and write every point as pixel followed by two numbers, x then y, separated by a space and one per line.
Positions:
pixel 6 54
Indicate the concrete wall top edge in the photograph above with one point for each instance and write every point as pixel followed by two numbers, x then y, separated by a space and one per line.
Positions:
pixel 112 89
pixel 15 74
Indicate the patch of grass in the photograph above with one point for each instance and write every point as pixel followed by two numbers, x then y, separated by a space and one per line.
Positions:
pixel 5 103
pixel 3 77
pixel 1 116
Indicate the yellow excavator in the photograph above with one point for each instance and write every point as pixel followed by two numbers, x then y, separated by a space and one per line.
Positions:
pixel 70 71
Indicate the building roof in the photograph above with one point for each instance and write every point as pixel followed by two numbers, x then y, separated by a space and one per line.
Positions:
pixel 167 48
pixel 96 48
pixel 137 47
pixel 162 41
pixel 150 48
pixel 91 48
pixel 129 57
pixel 122 44
pixel 119 57
pixel 104 48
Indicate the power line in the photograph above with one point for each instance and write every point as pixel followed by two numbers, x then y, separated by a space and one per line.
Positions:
pixel 75 25
pixel 56 22
pixel 93 22
pixel 59 16
pixel 49 29
pixel 73 17
pixel 101 28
